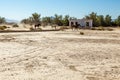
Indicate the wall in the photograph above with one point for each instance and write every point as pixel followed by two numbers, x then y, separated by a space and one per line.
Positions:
pixel 82 22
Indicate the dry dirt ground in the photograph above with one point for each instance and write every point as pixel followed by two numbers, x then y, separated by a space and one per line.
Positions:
pixel 61 55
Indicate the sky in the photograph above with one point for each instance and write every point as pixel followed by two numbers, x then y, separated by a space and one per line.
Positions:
pixel 20 9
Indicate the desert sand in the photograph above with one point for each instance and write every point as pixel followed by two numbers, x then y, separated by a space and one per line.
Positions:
pixel 60 55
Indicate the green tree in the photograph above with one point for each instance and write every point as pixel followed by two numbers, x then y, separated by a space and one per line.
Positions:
pixel 2 20
pixel 66 20
pixel 58 20
pixel 47 20
pixel 25 21
pixel 100 20
pixel 93 16
pixel 108 20
pixel 35 18
pixel 114 22
pixel 118 21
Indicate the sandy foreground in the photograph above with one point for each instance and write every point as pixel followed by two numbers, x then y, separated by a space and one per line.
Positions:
pixel 61 55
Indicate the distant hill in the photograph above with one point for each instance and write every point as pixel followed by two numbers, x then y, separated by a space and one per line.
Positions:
pixel 12 21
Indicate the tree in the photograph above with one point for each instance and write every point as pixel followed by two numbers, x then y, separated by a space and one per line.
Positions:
pixel 100 20
pixel 25 21
pixel 66 20
pixel 72 18
pixel 58 20
pixel 118 21
pixel 34 19
pixel 2 20
pixel 108 20
pixel 47 20
pixel 114 22
pixel 93 16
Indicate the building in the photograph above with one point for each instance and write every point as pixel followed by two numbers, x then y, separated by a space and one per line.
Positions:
pixel 83 23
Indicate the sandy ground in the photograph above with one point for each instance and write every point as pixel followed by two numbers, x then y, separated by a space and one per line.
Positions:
pixel 61 55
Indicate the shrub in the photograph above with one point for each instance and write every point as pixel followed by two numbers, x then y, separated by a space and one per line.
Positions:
pixel 72 68
pixel 98 28
pixel 39 29
pixel 3 27
pixel 81 33
pixel 101 28
pixel 109 29
pixel 15 25
pixel 32 29
pixel 93 28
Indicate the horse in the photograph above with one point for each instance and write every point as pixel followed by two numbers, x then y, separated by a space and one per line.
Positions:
pixel 37 25
pixel 73 27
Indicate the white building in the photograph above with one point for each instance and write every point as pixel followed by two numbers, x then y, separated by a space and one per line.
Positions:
pixel 84 23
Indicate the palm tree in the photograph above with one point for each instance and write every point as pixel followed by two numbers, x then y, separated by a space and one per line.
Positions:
pixel 35 18
pixel 58 20
pixel 92 16
pixel 108 20
pixel 66 20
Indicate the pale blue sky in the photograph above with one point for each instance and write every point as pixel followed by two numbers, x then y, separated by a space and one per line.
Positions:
pixel 19 9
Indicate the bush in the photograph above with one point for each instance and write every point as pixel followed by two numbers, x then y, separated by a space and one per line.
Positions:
pixel 100 28
pixel 81 33
pixel 109 29
pixel 72 68
pixel 32 29
pixel 93 28
pixel 39 29
pixel 3 27
pixel 15 25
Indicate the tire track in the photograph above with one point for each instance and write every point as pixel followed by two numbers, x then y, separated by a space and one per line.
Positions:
pixel 19 58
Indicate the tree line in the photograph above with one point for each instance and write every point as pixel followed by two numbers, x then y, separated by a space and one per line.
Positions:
pixel 56 19
pixel 98 20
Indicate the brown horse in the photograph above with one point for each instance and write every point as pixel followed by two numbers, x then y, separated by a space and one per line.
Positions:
pixel 37 25
pixel 75 27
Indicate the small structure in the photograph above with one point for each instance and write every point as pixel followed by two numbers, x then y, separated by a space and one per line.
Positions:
pixel 83 23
